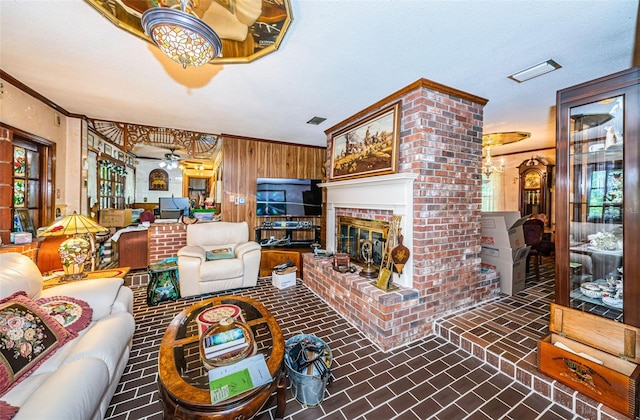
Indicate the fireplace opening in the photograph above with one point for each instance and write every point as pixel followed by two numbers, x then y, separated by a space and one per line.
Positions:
pixel 353 231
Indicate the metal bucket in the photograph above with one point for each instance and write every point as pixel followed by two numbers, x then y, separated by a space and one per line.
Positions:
pixel 308 386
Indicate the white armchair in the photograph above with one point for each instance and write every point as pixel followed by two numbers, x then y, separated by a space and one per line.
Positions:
pixel 199 275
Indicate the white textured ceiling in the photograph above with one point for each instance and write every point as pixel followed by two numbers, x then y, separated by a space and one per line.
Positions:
pixel 338 57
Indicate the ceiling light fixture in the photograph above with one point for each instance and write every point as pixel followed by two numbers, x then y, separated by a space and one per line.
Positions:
pixel 181 35
pixel 171 161
pixel 505 137
pixel 499 139
pixel 535 71
pixel 488 168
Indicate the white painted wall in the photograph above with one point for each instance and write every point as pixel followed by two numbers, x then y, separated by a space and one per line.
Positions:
pixel 144 167
pixel 22 111
pixel 506 185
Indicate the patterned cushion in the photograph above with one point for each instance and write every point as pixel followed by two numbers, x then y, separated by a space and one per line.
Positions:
pixel 28 336
pixel 73 314
pixel 7 411
pixel 220 254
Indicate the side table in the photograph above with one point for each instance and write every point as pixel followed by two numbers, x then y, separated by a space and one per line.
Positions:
pixel 183 380
pixel 272 257
pixel 163 282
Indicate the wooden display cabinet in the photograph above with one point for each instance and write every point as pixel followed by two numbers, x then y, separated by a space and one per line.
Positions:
pixel 111 184
pixel 597 197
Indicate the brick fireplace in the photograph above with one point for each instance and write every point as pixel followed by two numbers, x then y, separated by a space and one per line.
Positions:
pixel 437 191
pixel 374 198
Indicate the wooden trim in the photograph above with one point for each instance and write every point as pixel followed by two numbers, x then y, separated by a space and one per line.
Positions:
pixel 26 89
pixel 26 135
pixel 520 152
pixel 224 136
pixel 47 152
pixel 418 84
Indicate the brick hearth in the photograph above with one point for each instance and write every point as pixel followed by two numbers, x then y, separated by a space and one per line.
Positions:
pixel 440 153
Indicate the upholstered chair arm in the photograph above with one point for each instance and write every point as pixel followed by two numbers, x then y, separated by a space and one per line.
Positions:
pixel 243 248
pixel 250 253
pixel 193 251
pixel 105 296
pixel 190 258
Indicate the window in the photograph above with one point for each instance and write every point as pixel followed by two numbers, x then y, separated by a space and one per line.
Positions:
pixel 32 185
pixel 489 195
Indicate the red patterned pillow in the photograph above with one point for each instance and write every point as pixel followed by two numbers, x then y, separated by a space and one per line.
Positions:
pixel 28 336
pixel 73 314
pixel 7 411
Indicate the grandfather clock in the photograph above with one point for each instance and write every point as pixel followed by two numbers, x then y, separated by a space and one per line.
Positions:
pixel 535 187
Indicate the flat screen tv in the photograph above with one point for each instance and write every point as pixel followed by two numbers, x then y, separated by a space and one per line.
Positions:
pixel 173 207
pixel 288 197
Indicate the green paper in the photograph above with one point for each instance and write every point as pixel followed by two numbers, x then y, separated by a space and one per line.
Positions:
pixel 230 385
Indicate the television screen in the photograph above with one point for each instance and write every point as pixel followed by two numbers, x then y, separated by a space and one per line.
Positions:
pixel 288 197
pixel 173 207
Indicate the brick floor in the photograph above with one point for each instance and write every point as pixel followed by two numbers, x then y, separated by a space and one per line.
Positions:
pixel 445 376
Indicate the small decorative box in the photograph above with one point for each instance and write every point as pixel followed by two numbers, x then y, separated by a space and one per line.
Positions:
pixel 22 238
pixel 214 314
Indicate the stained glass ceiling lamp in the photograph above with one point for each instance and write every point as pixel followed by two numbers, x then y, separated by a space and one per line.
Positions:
pixel 181 35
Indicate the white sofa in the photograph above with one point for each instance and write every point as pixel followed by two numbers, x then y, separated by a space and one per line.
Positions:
pixel 199 275
pixel 80 378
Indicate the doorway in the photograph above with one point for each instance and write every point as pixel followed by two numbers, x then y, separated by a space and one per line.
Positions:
pixel 197 189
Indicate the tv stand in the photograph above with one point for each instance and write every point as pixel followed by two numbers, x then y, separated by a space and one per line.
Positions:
pixel 272 232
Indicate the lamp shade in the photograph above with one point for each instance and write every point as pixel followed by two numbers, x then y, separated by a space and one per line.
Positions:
pixel 74 252
pixel 71 225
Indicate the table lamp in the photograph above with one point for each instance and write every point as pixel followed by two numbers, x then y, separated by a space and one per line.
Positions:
pixel 74 252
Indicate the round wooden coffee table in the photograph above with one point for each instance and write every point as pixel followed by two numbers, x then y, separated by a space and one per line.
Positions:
pixel 183 380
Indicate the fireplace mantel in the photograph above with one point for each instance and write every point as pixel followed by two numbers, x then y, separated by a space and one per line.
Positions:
pixel 385 192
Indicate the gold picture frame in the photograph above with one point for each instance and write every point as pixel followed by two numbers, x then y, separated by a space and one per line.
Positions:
pixel 158 180
pixel 368 147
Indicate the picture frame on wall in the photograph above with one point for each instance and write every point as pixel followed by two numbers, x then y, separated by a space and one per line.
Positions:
pixel 108 150
pixel 368 147
pixel 158 180
pixel 91 140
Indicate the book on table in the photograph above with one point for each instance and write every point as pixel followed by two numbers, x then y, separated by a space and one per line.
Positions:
pixel 224 342
pixel 231 380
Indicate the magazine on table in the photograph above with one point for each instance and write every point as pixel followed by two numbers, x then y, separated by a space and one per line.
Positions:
pixel 228 381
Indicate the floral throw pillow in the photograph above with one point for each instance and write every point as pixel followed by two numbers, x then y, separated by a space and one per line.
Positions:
pixel 7 411
pixel 73 314
pixel 28 336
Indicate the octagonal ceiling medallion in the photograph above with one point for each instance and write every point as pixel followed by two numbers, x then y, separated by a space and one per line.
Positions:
pixel 249 29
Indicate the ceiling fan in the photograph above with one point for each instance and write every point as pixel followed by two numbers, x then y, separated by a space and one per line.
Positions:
pixel 170 161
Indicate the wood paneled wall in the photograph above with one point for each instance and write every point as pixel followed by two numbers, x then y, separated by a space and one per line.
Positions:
pixel 245 160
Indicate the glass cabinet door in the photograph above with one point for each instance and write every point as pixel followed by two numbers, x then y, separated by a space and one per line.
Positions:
pixel 596 203
pixel 598 197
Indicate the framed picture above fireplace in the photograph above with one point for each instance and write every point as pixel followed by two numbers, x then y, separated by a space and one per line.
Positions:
pixel 368 147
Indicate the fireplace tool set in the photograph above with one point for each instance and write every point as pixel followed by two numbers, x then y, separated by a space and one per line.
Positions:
pixel 394 254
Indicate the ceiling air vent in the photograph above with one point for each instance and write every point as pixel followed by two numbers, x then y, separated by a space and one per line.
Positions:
pixel 316 120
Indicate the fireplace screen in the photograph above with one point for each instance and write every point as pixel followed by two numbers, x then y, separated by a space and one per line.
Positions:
pixel 352 232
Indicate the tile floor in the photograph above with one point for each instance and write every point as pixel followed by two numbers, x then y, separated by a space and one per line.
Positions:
pixel 479 365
